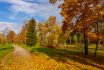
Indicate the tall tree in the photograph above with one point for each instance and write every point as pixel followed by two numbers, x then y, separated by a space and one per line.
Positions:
pixel 42 33
pixel 11 36
pixel 49 32
pixel 98 33
pixel 53 32
pixel 81 13
pixel 4 32
pixel 2 38
pixel 101 30
pixel 31 33
pixel 21 38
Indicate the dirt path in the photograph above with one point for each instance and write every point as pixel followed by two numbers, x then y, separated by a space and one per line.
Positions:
pixel 20 51
pixel 20 59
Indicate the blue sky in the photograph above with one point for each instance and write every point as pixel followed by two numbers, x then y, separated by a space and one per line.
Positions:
pixel 13 13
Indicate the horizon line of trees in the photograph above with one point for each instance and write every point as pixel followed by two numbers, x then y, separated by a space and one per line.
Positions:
pixel 50 34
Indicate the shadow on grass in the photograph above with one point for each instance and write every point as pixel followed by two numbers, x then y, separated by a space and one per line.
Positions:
pixel 5 48
pixel 63 56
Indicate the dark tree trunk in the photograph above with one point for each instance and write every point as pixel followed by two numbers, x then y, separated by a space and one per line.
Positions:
pixel 12 41
pixel 97 41
pixel 85 43
pixel 72 41
pixel 78 38
pixel 85 39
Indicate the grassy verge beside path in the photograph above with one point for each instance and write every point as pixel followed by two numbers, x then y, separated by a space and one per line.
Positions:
pixel 5 49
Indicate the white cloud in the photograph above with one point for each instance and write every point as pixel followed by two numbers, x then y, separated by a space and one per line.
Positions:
pixel 28 7
pixel 40 8
pixel 10 26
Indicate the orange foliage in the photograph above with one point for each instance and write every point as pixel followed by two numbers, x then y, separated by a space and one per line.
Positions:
pixel 92 36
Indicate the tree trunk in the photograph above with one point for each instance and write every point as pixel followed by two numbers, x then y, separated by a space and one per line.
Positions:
pixel 78 38
pixel 65 44
pixel 72 41
pixel 85 43
pixel 97 41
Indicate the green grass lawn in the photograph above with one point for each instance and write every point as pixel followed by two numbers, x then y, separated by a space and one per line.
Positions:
pixel 72 56
pixel 5 49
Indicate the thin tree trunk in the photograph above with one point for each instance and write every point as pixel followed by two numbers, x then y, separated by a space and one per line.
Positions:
pixel 97 40
pixel 85 43
pixel 72 41
pixel 65 44
pixel 78 37
pixel 85 40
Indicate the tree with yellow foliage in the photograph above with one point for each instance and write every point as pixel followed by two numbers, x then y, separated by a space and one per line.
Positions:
pixel 11 36
pixel 81 14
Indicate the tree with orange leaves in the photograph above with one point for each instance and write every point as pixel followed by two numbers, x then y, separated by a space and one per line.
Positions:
pixel 11 36
pixel 81 14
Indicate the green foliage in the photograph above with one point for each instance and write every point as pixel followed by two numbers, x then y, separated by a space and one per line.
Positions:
pixel 31 33
pixel 5 49
pixel 48 33
pixel 29 47
pixel 75 39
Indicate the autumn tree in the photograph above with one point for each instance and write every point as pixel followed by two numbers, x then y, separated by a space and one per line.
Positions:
pixel 53 31
pixel 11 36
pixel 53 37
pixel 97 35
pixel 53 1
pixel 2 39
pixel 48 32
pixel 21 37
pixel 42 31
pixel 4 32
pixel 101 30
pixel 81 14
pixel 31 38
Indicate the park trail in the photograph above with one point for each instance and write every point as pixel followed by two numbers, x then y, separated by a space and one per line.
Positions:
pixel 22 59
pixel 19 59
